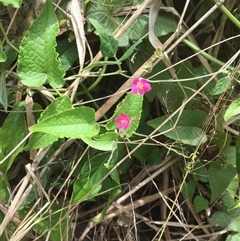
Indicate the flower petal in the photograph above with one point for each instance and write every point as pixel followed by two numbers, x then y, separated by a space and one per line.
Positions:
pixel 140 86
pixel 123 122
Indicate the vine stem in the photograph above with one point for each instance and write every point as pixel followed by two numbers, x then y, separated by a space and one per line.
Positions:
pixel 230 16
pixel 6 38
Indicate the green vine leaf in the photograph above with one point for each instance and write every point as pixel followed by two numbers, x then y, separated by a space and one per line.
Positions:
pixel 59 105
pixel 13 132
pixel 92 173
pixel 222 85
pixel 220 177
pixel 185 129
pixel 3 91
pixel 38 61
pixel 104 142
pixel 42 139
pixel 109 45
pixel 14 3
pixel 3 56
pixel 75 123
pixel 232 110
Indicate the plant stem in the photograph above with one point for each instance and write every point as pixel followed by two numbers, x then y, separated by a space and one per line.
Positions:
pixel 231 17
pixel 6 38
pixel 204 54
pixel 96 82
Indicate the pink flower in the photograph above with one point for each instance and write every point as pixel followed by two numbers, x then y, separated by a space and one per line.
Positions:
pixel 123 122
pixel 140 86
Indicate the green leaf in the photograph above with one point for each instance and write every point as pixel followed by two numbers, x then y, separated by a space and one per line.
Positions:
pixel 57 106
pixel 38 61
pixel 67 53
pixel 4 191
pixel 113 189
pixel 140 27
pixel 91 174
pixel 70 123
pixel 221 218
pixel 11 56
pixel 234 206
pixel 188 190
pixel 130 50
pixel 238 155
pixel 200 203
pixel 227 199
pixel 105 142
pixel 233 237
pixel 131 105
pixel 10 227
pixel 3 56
pixel 173 94
pixel 229 220
pixel 203 9
pixel 229 155
pixel 232 110
pixel 103 13
pixel 200 173
pixel 12 133
pixel 220 177
pixel 222 141
pixel 40 140
pixel 14 3
pixel 3 91
pixel 222 85
pixel 147 154
pixel 52 219
pixel 186 130
pixel 109 45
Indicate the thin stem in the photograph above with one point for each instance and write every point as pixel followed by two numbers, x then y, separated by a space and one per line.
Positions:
pixel 231 17
pixel 6 38
pixel 96 82
pixel 204 54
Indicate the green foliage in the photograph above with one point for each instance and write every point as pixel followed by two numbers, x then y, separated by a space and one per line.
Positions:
pixel 232 110
pixel 58 230
pixel 37 62
pixel 3 56
pixel 69 123
pixel 200 203
pixel 12 133
pixel 3 91
pixel 222 85
pixel 103 14
pixel 67 53
pixel 89 184
pixel 188 190
pixel 200 173
pixel 109 45
pixel 229 220
pixel 76 152
pixel 183 129
pixel 8 56
pixel 217 183
pixel 238 155
pixel 104 142
pixel 14 3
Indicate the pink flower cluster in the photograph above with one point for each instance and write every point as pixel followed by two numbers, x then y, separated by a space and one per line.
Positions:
pixel 139 86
